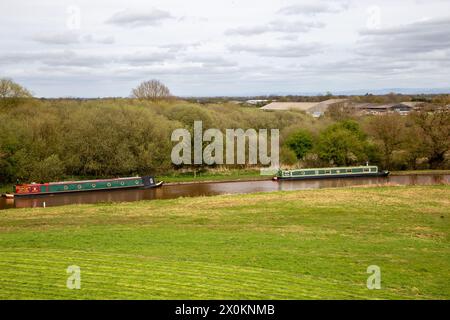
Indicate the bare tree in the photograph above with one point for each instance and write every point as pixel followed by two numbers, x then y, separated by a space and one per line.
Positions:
pixel 151 90
pixel 10 89
pixel 341 111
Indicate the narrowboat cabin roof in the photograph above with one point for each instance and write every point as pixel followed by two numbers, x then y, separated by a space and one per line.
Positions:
pixel 330 172
pixel 331 168
pixel 88 181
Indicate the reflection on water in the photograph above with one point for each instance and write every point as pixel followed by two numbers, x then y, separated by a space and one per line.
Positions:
pixel 207 189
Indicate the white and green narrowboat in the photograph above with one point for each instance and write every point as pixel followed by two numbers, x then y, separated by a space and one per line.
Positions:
pixel 336 172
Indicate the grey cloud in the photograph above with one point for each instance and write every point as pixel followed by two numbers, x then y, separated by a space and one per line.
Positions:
pixel 130 18
pixel 55 58
pixel 362 66
pixel 281 51
pixel 314 8
pixel 409 39
pixel 70 58
pixel 101 40
pixel 66 57
pixel 276 26
pixel 146 58
pixel 178 47
pixel 210 61
pixel 188 71
pixel 67 38
pixel 57 38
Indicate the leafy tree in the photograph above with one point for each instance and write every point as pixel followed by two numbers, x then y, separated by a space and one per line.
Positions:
pixel 301 142
pixel 287 156
pixel 12 94
pixel 343 143
pixel 11 89
pixel 341 111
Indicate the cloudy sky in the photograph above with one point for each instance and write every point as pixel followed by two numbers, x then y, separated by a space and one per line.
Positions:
pixel 60 48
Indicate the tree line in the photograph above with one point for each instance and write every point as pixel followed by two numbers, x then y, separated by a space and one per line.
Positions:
pixel 42 140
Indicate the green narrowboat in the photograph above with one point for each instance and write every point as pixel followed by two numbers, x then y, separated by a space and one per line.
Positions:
pixel 336 172
pixel 35 189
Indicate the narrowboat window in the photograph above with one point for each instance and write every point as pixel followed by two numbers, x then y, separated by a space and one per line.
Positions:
pixel 366 170
pixel 349 170
pixel 327 171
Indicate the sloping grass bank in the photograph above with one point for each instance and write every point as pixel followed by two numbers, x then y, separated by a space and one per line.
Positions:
pixel 281 245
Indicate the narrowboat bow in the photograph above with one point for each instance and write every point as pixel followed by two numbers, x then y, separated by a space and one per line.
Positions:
pixel 35 189
pixel 326 173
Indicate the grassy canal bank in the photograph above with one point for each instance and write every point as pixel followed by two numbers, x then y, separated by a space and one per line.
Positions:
pixel 281 245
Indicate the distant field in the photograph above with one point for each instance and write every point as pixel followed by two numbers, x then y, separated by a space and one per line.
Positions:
pixel 282 245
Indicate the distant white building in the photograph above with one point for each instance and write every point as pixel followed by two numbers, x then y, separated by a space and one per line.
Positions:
pixel 402 108
pixel 256 101
pixel 316 109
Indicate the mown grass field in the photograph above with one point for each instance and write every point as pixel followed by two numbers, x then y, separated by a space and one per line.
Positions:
pixel 283 245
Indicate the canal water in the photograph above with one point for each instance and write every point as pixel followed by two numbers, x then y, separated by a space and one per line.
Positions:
pixel 171 191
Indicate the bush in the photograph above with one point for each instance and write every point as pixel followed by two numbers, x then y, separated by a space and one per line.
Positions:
pixel 344 143
pixel 300 143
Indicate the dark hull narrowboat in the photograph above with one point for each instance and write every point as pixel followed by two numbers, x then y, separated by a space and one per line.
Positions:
pixel 328 173
pixel 35 189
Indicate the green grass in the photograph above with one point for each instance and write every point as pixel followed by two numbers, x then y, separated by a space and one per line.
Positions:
pixel 217 175
pixel 407 172
pixel 6 188
pixel 281 245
